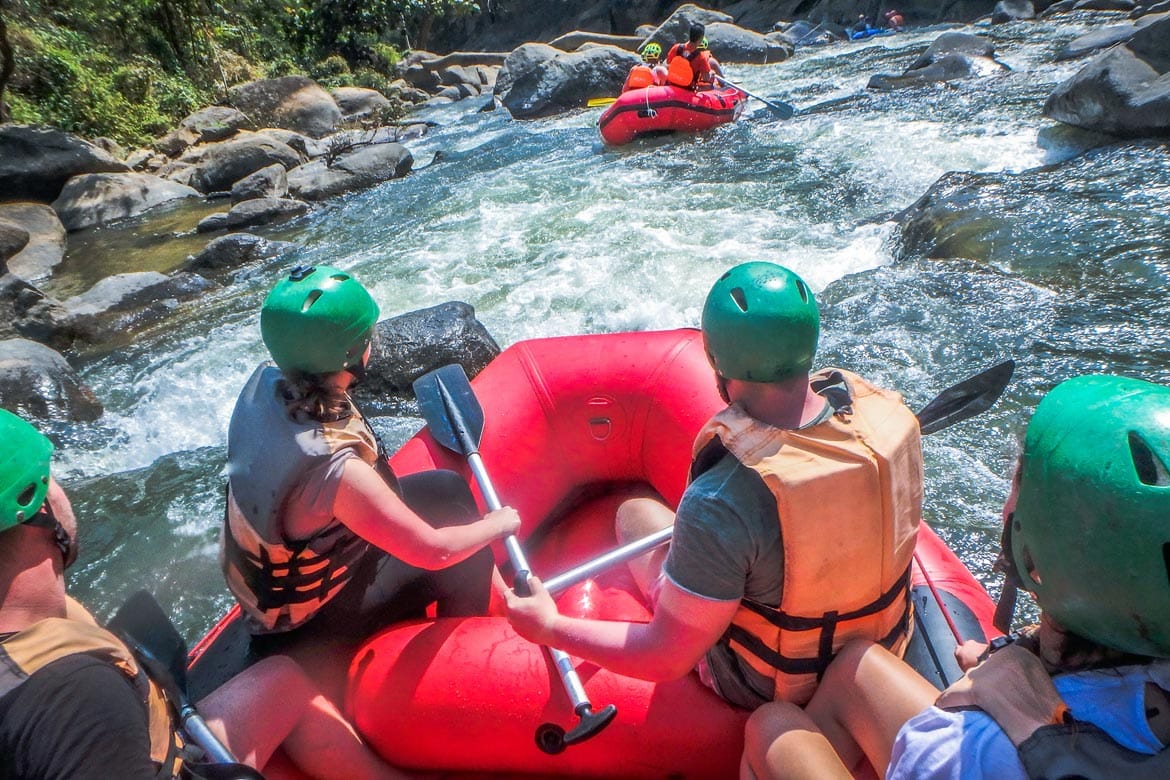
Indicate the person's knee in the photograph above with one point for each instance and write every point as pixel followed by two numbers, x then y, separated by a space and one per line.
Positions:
pixel 769 722
pixel 281 673
pixel 638 517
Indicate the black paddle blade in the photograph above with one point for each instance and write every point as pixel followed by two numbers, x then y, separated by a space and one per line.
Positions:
pixel 142 622
pixel 966 399
pixel 450 407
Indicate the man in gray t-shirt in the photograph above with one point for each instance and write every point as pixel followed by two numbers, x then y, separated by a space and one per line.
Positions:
pixel 760 328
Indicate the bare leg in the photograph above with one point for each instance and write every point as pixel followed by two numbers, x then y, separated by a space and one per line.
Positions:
pixel 781 741
pixel 866 695
pixel 640 517
pixel 295 716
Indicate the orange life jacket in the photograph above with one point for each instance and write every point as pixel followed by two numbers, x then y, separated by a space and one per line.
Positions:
pixel 52 639
pixel 640 76
pixel 848 494
pixel 685 67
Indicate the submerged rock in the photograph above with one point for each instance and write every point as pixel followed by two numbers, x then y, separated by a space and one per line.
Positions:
pixel 234 250
pixel 122 304
pixel 951 56
pixel 412 344
pixel 36 381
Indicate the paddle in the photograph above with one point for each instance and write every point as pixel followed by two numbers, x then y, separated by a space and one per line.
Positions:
pixel 954 404
pixel 783 110
pixel 455 418
pixel 150 635
pixel 595 102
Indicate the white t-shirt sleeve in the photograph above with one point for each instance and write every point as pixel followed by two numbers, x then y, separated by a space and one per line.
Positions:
pixel 940 745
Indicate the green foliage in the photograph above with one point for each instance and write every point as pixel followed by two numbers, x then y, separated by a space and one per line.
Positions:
pixel 131 69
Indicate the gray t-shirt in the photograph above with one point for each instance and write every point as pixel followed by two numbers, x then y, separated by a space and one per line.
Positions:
pixel 726 546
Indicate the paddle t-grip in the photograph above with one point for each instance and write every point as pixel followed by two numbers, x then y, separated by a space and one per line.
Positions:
pixel 553 739
pixel 520 584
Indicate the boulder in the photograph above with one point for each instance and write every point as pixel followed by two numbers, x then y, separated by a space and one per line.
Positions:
pixel 97 198
pixel 216 123
pixel 229 252
pixel 358 169
pixel 1012 10
pixel 678 25
pixel 252 213
pixel 405 92
pixel 212 222
pixel 226 163
pixel 308 147
pixel 563 82
pixel 1096 40
pixel 1064 6
pixel 176 142
pixel 26 312
pixel 46 240
pixel 453 75
pixel 290 102
pixel 409 345
pixel 35 162
pixel 37 382
pixel 522 61
pixel 268 182
pixel 13 239
pixel 421 77
pixel 357 102
pixel 123 304
pixel 951 56
pixel 730 43
pixel 1124 91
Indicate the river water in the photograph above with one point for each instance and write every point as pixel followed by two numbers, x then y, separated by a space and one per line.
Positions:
pixel 1060 259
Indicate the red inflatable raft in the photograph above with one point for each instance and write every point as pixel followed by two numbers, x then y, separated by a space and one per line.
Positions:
pixel 572 427
pixel 668 109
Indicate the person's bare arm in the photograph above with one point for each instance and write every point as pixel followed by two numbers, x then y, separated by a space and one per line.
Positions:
pixel 682 629
pixel 369 508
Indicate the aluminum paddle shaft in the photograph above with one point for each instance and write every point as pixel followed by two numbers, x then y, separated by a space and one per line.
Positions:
pixel 455 419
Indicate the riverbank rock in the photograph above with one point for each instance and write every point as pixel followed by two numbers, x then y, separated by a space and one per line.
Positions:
pixel 35 162
pixel 13 239
pixel 357 102
pixel 1065 6
pixel 1124 91
pixel 951 56
pixel 253 213
pixel 222 165
pixel 123 304
pixel 97 198
pixel 538 80
pixel 268 182
pixel 229 252
pixel 45 247
pixel 26 312
pixel 290 102
pixel 216 123
pixel 361 168
pixel 1096 40
pixel 37 382
pixel 409 345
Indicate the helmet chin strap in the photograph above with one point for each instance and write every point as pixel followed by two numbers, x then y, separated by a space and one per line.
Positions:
pixel 44 518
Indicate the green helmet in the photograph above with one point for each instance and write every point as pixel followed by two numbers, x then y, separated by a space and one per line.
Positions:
pixel 24 470
pixel 1091 528
pixel 652 51
pixel 318 320
pixel 703 44
pixel 760 324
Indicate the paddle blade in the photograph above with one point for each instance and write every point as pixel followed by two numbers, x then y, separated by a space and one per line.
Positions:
pixel 449 406
pixel 966 399
pixel 595 102
pixel 142 622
